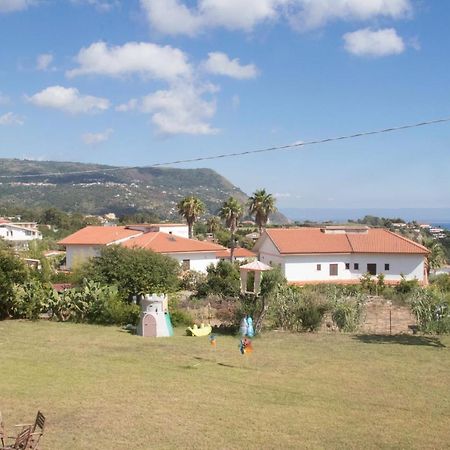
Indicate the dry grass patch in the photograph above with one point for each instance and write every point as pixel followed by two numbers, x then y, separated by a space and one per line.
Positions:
pixel 103 387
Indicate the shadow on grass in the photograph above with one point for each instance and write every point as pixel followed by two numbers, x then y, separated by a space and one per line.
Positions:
pixel 403 339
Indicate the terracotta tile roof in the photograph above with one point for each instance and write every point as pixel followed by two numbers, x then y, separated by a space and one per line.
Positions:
pixel 238 253
pixel 314 240
pixel 97 235
pixel 379 240
pixel 308 240
pixel 161 242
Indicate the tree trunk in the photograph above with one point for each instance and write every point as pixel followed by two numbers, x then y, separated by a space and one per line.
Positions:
pixel 232 248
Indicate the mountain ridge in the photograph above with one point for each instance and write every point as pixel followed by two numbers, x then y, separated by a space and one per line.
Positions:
pixel 90 188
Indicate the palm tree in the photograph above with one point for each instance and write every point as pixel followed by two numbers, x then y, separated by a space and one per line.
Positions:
pixel 213 224
pixel 261 204
pixel 436 258
pixel 231 212
pixel 190 208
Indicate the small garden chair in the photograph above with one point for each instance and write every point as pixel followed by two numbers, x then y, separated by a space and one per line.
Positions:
pixel 36 431
pixel 21 442
pixel 2 431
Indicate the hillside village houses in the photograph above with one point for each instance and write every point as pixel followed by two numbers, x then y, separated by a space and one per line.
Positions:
pixel 331 254
pixel 19 234
pixel 342 254
pixel 168 239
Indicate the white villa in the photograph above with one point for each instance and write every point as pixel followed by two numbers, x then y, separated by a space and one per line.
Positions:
pixel 340 254
pixel 19 234
pixel 168 239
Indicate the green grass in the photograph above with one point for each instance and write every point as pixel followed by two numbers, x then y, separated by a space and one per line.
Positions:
pixel 103 388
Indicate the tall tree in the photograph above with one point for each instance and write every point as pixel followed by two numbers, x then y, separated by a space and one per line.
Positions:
pixel 231 212
pixel 436 257
pixel 213 224
pixel 191 208
pixel 261 204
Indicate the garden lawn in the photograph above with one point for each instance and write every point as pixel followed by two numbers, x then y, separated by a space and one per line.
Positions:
pixel 100 387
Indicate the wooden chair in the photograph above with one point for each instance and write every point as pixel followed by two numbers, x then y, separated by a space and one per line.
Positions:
pixel 36 431
pixel 21 441
pixel 2 431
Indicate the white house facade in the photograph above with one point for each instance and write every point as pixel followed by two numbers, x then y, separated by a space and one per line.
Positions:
pixel 89 242
pixel 170 240
pixel 333 255
pixel 190 253
pixel 17 234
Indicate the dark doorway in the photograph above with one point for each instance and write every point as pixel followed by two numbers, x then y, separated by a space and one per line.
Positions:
pixel 372 269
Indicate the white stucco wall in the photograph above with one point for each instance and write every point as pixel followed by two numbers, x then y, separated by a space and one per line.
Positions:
pixel 18 234
pixel 182 231
pixel 197 261
pixel 304 267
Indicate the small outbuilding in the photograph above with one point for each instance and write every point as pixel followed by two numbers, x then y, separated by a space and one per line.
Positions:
pixel 257 268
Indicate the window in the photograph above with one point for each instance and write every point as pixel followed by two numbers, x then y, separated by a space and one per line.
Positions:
pixel 319 266
pixel 333 270
pixel 347 266
pixel 356 266
pixel 372 269
pixel 386 267
pixel 186 264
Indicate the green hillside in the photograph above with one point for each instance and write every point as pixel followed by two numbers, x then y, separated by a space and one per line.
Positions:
pixel 104 190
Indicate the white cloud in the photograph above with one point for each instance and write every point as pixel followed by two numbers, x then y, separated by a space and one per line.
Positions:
pixel 131 105
pixel 11 119
pixel 219 63
pixel 68 100
pixel 181 110
pixel 309 14
pixel 175 17
pixel 282 195
pixel 147 59
pixel 374 43
pixel 100 5
pixel 7 6
pixel 43 61
pixel 97 138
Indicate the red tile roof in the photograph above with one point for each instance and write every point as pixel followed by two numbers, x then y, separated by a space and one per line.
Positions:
pixel 161 242
pixel 238 253
pixel 97 235
pixel 313 240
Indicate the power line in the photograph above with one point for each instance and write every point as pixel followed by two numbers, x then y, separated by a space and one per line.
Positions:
pixel 243 153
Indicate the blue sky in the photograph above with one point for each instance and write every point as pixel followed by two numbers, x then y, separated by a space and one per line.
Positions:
pixel 138 82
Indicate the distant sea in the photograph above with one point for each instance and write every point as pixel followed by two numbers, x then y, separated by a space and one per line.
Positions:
pixel 446 226
pixel 435 216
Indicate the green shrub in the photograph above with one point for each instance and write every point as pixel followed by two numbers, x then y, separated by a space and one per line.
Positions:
pixel 12 272
pixel 30 299
pixel 347 313
pixel 178 316
pixel 432 311
pixel 222 279
pixel 441 282
pixel 407 286
pixel 311 312
pixel 368 283
pixel 298 309
pixel 191 280
pixel 133 271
